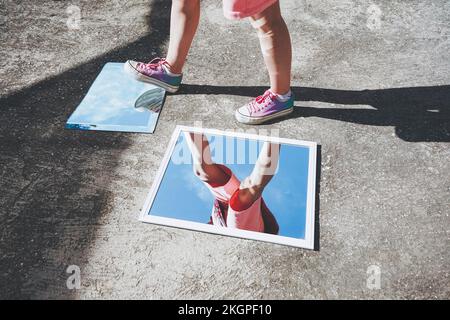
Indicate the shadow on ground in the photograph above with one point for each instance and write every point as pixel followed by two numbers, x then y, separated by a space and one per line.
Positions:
pixel 317 199
pixel 54 182
pixel 417 113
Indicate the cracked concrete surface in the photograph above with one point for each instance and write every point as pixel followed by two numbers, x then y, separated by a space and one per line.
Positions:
pixel 375 94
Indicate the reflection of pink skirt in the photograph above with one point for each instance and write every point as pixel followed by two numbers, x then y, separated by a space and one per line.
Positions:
pixel 227 212
pixel 238 9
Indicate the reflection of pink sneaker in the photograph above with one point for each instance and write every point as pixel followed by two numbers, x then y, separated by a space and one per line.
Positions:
pixel 155 72
pixel 264 108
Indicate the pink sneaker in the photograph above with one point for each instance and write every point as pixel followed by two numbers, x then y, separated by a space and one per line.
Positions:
pixel 155 73
pixel 264 108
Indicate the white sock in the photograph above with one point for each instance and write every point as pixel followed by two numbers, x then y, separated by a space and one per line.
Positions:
pixel 283 97
pixel 170 73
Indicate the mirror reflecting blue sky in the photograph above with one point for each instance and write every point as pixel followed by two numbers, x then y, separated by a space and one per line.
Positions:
pixel 117 102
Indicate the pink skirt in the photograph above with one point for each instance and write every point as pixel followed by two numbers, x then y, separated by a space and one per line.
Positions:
pixel 238 9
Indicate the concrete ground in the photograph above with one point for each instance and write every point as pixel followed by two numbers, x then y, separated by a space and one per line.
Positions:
pixel 372 81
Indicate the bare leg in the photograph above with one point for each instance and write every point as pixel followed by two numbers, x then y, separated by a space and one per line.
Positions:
pixel 276 47
pixel 204 168
pixel 184 18
pixel 265 168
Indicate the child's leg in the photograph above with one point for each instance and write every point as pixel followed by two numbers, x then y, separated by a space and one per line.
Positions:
pixel 204 167
pixel 167 73
pixel 276 47
pixel 184 18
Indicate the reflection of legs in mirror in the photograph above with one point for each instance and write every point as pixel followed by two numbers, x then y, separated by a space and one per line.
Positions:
pixel 204 167
pixel 247 209
pixel 237 204
pixel 263 171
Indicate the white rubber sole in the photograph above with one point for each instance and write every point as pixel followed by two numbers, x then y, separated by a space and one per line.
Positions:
pixel 258 120
pixel 139 76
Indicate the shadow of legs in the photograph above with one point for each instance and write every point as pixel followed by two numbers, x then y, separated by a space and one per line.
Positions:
pixel 417 113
